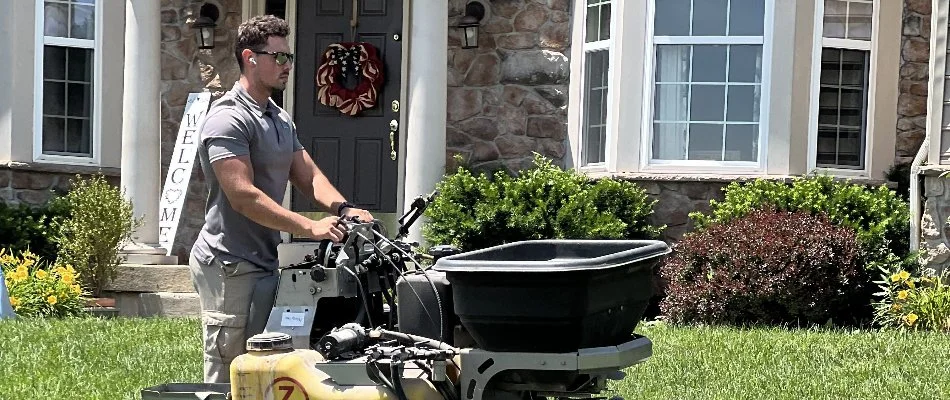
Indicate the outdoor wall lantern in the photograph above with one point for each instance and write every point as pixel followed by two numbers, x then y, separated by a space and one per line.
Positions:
pixel 474 12
pixel 205 24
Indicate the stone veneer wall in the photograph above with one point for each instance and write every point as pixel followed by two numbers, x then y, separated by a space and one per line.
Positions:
pixel 35 186
pixel 915 57
pixel 187 69
pixel 676 199
pixel 508 98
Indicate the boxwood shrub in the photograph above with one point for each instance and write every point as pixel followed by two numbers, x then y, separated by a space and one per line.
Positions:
pixel 878 215
pixel 475 210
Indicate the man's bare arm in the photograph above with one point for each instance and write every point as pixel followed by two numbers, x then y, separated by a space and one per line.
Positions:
pixel 236 178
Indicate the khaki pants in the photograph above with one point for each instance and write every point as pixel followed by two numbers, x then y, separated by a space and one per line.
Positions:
pixel 227 292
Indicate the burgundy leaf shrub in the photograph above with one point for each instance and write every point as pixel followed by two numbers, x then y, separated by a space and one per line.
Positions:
pixel 768 267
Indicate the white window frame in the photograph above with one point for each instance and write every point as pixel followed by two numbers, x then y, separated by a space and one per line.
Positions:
pixel 819 43
pixel 610 134
pixel 647 163
pixel 96 111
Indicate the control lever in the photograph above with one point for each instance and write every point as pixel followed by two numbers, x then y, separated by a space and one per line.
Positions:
pixel 418 206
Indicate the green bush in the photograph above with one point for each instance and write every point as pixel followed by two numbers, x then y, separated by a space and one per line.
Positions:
pixel 101 221
pixel 478 210
pixel 879 216
pixel 26 228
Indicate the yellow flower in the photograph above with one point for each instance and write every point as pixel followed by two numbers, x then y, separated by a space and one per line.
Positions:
pixel 76 289
pixel 41 274
pixel 27 262
pixel 15 302
pixel 910 284
pixel 68 278
pixel 902 295
pixel 69 268
pixel 897 307
pixel 51 300
pixel 895 278
pixel 60 271
pixel 18 276
pixel 910 318
pixel 904 275
pixel 22 270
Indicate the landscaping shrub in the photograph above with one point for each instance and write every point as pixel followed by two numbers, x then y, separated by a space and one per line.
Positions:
pixel 39 290
pixel 101 221
pixel 878 215
pixel 32 228
pixel 913 302
pixel 478 210
pixel 768 266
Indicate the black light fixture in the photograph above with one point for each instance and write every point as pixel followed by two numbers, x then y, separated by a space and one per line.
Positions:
pixel 474 12
pixel 205 24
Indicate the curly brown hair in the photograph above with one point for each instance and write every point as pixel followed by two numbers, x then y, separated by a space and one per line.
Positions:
pixel 253 34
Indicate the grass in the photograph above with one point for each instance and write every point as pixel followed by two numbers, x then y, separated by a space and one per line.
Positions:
pixel 115 359
pixel 774 363
pixel 92 358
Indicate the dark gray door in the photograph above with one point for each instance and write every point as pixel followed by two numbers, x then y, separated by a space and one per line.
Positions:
pixel 354 152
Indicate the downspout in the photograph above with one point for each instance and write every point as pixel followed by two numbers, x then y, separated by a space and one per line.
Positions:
pixel 915 206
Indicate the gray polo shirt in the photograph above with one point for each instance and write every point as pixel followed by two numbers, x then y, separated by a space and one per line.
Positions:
pixel 236 125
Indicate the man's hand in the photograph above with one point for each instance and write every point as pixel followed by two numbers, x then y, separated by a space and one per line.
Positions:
pixel 327 228
pixel 363 215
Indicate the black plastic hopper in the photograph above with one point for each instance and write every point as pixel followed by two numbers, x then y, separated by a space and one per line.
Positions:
pixel 553 295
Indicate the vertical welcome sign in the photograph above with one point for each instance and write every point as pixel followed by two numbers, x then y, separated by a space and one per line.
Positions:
pixel 172 202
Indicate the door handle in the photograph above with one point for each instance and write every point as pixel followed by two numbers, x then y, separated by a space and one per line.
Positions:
pixel 392 145
pixel 393 127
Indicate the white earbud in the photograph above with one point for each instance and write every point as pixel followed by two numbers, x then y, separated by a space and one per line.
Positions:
pixel 253 61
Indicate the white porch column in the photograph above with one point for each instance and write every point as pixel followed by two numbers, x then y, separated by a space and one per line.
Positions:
pixel 141 127
pixel 426 119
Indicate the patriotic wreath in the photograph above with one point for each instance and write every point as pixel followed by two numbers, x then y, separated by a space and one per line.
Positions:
pixel 349 58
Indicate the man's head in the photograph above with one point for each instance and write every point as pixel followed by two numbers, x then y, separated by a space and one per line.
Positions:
pixel 262 52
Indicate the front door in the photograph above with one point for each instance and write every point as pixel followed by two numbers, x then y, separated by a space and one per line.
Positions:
pixel 355 152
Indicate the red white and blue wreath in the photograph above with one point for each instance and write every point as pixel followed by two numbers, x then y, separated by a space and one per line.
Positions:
pixel 350 58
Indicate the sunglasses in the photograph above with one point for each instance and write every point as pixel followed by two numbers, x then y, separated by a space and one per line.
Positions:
pixel 280 57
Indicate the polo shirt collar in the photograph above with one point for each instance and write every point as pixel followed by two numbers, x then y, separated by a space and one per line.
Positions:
pixel 253 104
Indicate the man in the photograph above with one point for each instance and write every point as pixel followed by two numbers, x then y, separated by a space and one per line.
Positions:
pixel 249 151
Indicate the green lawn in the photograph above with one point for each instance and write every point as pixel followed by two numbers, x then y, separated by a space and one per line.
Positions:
pixel 114 359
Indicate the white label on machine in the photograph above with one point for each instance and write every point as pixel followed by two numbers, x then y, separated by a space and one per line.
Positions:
pixel 292 319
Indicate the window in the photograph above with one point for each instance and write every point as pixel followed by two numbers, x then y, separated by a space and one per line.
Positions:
pixel 596 70
pixel 66 97
pixel 843 84
pixel 707 82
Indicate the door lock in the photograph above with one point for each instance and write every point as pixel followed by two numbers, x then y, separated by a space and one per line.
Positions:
pixel 395 106
pixel 393 125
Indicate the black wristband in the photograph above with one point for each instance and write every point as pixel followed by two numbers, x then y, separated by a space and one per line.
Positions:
pixel 345 204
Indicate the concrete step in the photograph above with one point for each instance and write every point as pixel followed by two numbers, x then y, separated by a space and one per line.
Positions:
pixel 157 304
pixel 152 278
